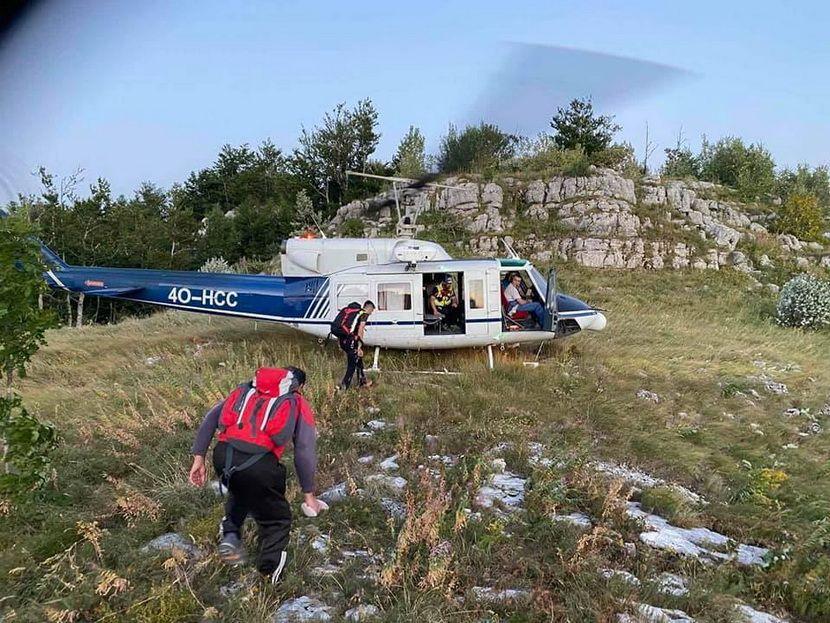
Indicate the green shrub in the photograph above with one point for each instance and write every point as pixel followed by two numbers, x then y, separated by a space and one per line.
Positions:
pixel 619 156
pixel 800 215
pixel 352 228
pixel 805 303
pixel 475 149
pixel 28 444
pixel 681 163
pixel 216 265
pixel 749 169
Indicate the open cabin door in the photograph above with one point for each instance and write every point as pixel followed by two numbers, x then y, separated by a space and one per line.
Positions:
pixel 476 309
pixel 551 307
pixel 398 316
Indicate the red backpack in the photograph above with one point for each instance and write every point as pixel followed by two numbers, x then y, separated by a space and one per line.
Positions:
pixel 259 417
pixel 344 323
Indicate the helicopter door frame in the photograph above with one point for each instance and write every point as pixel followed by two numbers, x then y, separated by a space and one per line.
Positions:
pixel 476 308
pixel 551 304
pixel 394 324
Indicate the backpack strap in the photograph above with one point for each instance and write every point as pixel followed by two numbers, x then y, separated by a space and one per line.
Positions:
pixel 287 432
pixel 230 469
pixel 242 401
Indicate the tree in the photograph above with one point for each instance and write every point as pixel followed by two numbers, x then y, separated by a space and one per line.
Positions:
pixel 410 159
pixel 305 216
pixel 579 125
pixel 475 149
pixel 26 441
pixel 22 324
pixel 805 181
pixel 800 215
pixel 343 142
pixel 680 161
pixel 749 169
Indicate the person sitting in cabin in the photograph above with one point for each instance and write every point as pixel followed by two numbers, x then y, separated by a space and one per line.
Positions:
pixel 256 422
pixel 443 301
pixel 348 327
pixel 516 302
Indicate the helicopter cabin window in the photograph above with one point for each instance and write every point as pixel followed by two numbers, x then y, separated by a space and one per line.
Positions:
pixel 351 293
pixel 394 296
pixel 476 293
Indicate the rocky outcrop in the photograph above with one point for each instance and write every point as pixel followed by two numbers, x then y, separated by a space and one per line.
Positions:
pixel 602 220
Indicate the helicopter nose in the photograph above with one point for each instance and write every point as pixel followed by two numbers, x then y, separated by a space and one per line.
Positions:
pixel 597 322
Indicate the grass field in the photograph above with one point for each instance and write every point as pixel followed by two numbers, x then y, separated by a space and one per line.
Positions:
pixel 127 399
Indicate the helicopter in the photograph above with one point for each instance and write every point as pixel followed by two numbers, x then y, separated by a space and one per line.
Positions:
pixel 322 275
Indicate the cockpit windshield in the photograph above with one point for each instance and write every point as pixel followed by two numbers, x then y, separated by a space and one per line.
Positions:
pixel 540 283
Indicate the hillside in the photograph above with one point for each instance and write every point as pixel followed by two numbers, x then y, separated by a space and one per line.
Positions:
pixel 603 220
pixel 512 502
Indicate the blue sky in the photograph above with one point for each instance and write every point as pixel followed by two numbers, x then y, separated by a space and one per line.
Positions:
pixel 135 91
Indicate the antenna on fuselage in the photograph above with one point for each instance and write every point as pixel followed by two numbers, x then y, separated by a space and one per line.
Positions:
pixel 405 227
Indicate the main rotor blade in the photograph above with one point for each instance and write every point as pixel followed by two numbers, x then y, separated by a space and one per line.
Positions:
pixel 534 80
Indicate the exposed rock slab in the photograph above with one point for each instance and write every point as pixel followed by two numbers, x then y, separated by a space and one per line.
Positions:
pixel 504 491
pixel 173 542
pixel 302 609
pixel 700 543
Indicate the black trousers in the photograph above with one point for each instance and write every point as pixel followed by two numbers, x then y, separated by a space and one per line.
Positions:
pixel 452 315
pixel 354 363
pixel 258 491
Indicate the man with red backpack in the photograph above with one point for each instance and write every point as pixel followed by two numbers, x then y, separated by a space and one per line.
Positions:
pixel 256 422
pixel 348 327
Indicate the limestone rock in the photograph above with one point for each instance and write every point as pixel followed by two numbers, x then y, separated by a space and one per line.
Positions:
pixel 393 508
pixel 748 614
pixel 644 394
pixel 488 594
pixel 645 481
pixel 672 584
pixel 644 613
pixel 363 612
pixel 579 520
pixel 506 490
pixel 700 543
pixel 394 483
pixel 389 463
pixel 621 575
pixel 173 542
pixel 335 494
pixel 302 609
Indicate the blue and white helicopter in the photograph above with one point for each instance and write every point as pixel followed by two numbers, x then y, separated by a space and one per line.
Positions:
pixel 322 275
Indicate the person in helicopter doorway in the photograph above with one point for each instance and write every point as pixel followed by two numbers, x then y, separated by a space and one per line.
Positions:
pixel 348 327
pixel 516 302
pixel 256 422
pixel 443 301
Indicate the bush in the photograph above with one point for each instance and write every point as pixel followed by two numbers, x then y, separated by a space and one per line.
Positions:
pixel 619 156
pixel 352 228
pixel 476 149
pixel 28 444
pixel 800 216
pixel 749 169
pixel 805 303
pixel 216 265
pixel 681 163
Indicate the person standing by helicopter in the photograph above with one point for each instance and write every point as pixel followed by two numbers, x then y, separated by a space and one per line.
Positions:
pixel 348 327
